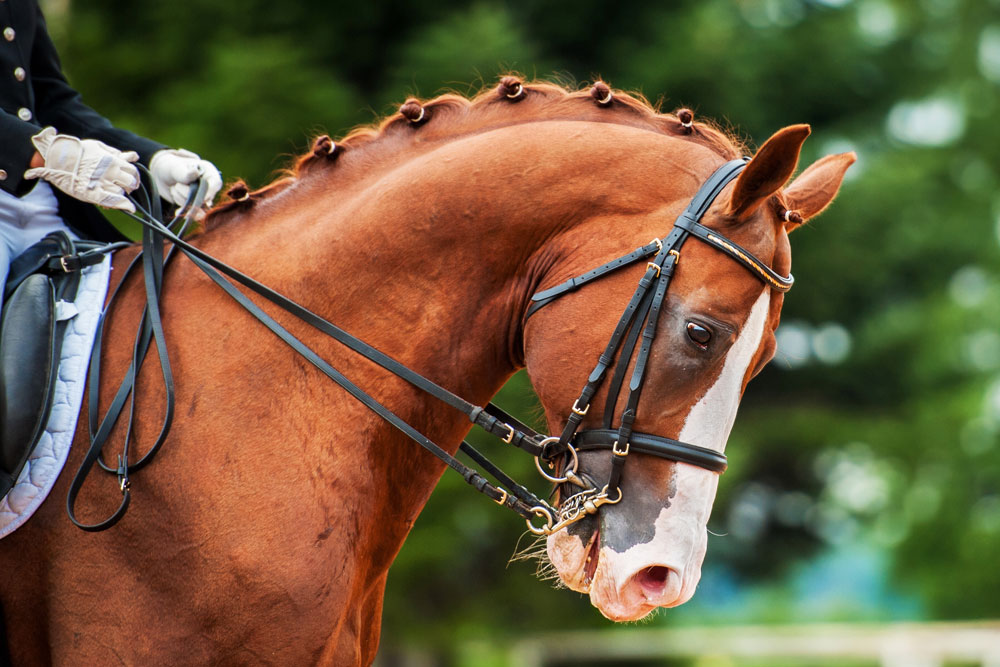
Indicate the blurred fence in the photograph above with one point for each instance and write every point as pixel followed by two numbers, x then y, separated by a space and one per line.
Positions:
pixel 888 645
pixel 885 645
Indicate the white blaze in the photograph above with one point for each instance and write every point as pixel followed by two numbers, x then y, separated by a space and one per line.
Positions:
pixel 711 419
pixel 680 539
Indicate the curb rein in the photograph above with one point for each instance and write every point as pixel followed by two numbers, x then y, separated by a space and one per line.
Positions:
pixel 644 306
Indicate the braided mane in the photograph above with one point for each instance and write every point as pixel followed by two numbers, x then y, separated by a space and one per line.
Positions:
pixel 449 116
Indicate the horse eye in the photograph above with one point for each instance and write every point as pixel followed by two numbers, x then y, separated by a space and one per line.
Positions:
pixel 699 334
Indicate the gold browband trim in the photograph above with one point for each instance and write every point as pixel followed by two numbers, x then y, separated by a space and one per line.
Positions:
pixel 780 283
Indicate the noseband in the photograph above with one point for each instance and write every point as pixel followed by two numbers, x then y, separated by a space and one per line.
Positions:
pixel 640 316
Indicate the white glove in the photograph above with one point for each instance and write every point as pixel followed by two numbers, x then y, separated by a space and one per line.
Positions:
pixel 174 171
pixel 86 169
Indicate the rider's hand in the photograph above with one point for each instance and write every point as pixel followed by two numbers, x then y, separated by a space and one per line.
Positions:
pixel 174 171
pixel 86 169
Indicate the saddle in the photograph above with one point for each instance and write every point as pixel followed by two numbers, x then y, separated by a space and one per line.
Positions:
pixel 38 304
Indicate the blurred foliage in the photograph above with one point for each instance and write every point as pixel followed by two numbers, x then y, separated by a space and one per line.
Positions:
pixel 875 430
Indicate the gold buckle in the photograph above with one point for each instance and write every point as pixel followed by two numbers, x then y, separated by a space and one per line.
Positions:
pixel 654 265
pixel 510 436
pixel 577 410
pixel 503 500
pixel 619 452
pixel 659 245
pixel 677 256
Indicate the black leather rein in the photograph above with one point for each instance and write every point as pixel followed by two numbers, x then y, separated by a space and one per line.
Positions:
pixel 643 307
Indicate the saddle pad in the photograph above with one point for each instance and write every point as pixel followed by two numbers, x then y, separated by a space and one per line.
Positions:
pixel 47 460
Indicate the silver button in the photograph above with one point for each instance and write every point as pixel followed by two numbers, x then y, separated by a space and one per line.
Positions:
pixel 19 73
pixel 24 113
pixel 3 172
pixel 8 34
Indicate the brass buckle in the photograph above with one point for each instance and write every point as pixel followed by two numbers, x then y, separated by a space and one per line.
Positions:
pixel 503 500
pixel 659 245
pixel 62 263
pixel 677 256
pixel 654 265
pixel 577 410
pixel 619 452
pixel 510 436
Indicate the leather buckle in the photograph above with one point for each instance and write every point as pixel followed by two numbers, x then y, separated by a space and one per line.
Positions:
pixel 576 405
pixel 62 263
pixel 510 436
pixel 619 452
pixel 654 265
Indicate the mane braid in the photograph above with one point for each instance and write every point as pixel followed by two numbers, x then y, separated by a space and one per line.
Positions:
pixel 449 116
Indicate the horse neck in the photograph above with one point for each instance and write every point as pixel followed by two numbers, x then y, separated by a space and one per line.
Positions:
pixel 433 262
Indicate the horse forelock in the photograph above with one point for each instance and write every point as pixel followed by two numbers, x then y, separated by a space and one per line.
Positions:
pixel 452 116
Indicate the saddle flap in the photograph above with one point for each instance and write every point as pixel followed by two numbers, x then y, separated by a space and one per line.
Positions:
pixel 27 334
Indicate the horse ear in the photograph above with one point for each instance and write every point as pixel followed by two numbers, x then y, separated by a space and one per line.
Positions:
pixel 814 189
pixel 772 165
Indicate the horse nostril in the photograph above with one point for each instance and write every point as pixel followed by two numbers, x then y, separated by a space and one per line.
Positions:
pixel 653 580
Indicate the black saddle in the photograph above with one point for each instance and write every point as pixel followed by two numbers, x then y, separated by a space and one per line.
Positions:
pixel 40 287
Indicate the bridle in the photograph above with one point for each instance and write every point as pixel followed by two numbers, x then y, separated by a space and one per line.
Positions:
pixel 640 318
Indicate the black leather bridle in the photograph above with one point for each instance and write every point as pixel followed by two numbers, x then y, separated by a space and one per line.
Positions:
pixel 640 317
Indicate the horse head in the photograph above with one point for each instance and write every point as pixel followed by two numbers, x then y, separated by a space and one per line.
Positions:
pixel 714 333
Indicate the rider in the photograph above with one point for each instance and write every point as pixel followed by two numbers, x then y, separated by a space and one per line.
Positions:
pixel 49 134
pixel 59 159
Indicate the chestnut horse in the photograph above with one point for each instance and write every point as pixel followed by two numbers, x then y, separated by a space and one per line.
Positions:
pixel 265 530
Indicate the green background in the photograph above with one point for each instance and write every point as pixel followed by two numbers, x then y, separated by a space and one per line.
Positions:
pixel 865 478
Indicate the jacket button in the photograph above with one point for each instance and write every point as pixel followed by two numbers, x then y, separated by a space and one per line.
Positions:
pixel 8 34
pixel 3 174
pixel 24 113
pixel 19 73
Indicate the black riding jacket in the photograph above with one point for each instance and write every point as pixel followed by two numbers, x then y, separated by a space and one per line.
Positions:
pixel 34 94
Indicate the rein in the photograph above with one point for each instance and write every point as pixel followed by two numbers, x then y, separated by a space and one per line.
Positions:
pixel 644 306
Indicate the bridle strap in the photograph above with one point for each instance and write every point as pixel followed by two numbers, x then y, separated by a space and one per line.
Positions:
pixel 548 295
pixel 621 368
pixel 654 445
pixel 640 319
pixel 743 256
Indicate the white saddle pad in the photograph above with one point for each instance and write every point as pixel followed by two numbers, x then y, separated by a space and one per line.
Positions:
pixel 47 460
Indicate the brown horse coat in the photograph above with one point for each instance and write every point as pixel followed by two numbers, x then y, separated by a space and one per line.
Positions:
pixel 264 531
